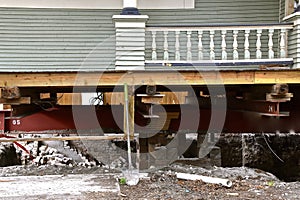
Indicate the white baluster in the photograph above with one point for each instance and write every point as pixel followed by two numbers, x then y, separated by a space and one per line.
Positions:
pixel 166 46
pixel 223 45
pixel 177 45
pixel 200 46
pixel 212 45
pixel 270 44
pixel 258 44
pixel 189 46
pixel 154 54
pixel 235 45
pixel 247 52
pixel 282 44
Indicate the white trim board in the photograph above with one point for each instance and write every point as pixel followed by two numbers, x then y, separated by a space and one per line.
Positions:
pixel 97 4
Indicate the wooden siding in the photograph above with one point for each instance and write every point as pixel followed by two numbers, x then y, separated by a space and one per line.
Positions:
pixel 286 7
pixel 55 39
pixel 293 45
pixel 282 9
pixel 79 39
pixel 219 12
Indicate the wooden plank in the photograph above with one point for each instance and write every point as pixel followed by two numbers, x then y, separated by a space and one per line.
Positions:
pixel 106 137
pixel 22 100
pixel 273 77
pixel 69 99
pixel 152 100
pixel 66 79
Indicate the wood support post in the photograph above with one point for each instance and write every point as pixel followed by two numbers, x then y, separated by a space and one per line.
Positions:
pixel 131 111
pixel 2 121
pixel 129 99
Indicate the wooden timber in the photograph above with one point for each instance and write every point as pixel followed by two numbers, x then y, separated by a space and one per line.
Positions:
pixel 22 100
pixel 67 79
pixel 105 137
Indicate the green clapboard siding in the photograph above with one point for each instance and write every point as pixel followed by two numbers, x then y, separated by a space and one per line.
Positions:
pixel 218 12
pixel 56 39
pixel 79 39
pixel 282 9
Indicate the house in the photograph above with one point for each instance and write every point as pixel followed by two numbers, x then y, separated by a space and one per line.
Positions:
pixel 236 60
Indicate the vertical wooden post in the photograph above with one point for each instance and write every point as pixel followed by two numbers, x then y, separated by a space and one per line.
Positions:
pixel 2 118
pixel 131 111
pixel 128 111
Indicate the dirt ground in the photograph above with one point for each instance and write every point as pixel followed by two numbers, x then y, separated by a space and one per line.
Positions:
pixel 163 183
pixel 247 184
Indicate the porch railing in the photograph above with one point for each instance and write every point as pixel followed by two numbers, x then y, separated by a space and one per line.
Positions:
pixel 223 44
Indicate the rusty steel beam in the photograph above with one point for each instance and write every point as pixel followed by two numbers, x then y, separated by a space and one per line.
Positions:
pixel 62 119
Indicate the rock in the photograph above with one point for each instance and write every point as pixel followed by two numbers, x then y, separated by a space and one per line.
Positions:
pixel 8 155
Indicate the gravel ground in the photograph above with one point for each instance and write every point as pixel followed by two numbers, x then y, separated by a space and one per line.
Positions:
pixel 163 184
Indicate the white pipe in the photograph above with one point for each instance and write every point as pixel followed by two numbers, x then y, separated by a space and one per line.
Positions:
pixel 206 179
pixel 129 3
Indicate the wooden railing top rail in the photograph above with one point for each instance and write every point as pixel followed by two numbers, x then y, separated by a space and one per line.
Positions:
pixel 219 27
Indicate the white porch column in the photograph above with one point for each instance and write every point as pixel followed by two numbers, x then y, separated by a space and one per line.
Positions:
pixel 130 41
pixel 293 41
pixel 129 3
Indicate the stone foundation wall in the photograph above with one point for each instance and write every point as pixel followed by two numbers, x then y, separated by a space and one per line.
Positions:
pixel 276 153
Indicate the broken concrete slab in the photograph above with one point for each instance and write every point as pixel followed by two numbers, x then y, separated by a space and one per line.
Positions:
pixel 69 186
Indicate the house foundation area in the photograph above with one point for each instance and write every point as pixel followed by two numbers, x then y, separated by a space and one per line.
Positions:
pixel 150 99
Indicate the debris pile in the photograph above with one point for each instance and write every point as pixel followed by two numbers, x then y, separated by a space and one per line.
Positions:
pixel 49 155
pixel 56 153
